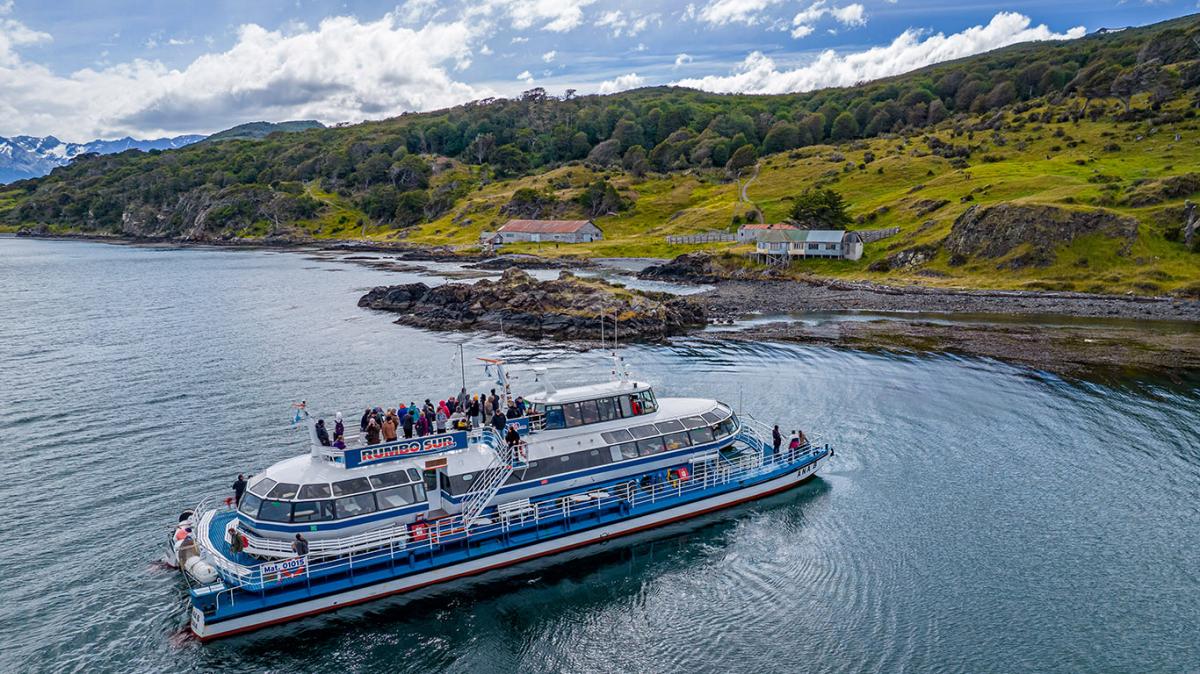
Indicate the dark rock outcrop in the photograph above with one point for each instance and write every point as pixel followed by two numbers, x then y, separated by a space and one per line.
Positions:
pixel 1036 231
pixel 701 267
pixel 1164 189
pixel 567 308
pixel 517 261
pixel 906 259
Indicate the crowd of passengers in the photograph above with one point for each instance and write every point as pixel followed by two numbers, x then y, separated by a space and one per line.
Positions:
pixel 459 412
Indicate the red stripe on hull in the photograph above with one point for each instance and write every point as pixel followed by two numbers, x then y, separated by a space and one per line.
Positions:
pixel 476 572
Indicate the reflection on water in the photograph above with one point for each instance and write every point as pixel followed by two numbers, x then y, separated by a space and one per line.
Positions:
pixel 977 517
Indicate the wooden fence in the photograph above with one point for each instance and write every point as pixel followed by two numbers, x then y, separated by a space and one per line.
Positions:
pixel 707 237
pixel 869 235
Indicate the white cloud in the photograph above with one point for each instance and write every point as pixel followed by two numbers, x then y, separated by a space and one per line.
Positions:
pixel 629 81
pixel 682 60
pixel 416 11
pixel 630 24
pixel 485 50
pixel 548 57
pixel 179 42
pixel 758 73
pixel 558 16
pixel 721 12
pixel 519 40
pixel 850 15
pixel 614 20
pixel 526 77
pixel 263 75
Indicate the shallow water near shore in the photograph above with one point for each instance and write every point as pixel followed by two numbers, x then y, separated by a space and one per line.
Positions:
pixel 977 517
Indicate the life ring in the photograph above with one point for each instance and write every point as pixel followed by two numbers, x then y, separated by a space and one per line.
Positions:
pixel 419 531
pixel 683 473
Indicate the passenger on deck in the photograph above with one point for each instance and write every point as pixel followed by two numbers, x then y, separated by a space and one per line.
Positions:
pixel 499 421
pixel 776 438
pixel 451 405
pixel 793 445
pixel 442 416
pixel 322 434
pixel 339 442
pixel 801 439
pixel 423 426
pixel 362 424
pixel 239 488
pixel 513 437
pixel 389 427
pixel 407 422
pixel 462 399
pixel 520 406
pixel 372 432
pixel 474 412
pixel 300 546
pixel 339 428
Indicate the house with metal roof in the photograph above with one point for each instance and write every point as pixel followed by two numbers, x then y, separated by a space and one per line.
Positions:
pixel 753 231
pixel 783 246
pixel 559 231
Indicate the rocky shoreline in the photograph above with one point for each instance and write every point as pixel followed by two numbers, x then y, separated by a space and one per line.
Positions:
pixel 565 309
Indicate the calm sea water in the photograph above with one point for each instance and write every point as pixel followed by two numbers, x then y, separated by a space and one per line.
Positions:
pixel 977 518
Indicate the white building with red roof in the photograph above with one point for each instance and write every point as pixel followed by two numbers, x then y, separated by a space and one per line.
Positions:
pixel 559 231
pixel 754 231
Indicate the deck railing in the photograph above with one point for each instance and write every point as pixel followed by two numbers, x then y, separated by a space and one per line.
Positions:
pixel 451 530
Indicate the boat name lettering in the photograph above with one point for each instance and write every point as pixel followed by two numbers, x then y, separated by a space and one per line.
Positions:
pixel 285 569
pixel 391 452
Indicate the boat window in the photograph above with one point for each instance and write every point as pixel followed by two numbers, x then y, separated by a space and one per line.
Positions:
pixel 414 475
pixel 646 431
pixel 608 409
pixel 694 422
pixel 624 405
pixel 597 458
pixel 312 511
pixel 353 506
pixel 713 417
pixel 554 417
pixel 619 435
pixel 311 491
pixel 725 428
pixel 445 486
pixel 589 411
pixel 389 479
pixel 647 447
pixel 396 497
pixel 275 511
pixel 701 435
pixel 676 441
pixel 669 426
pixel 634 402
pixel 264 485
pixel 571 414
pixel 649 404
pixel 284 490
pixel 249 505
pixel 628 450
pixel 352 486
pixel 419 490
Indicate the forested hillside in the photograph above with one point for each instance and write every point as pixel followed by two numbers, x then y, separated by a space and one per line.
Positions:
pixel 1102 122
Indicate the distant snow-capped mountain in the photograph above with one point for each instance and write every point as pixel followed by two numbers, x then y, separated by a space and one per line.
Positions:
pixel 24 157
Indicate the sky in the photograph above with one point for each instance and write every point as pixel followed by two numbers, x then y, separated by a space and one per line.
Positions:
pixel 86 69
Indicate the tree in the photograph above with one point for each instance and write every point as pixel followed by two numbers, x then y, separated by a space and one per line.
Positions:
pixel 510 161
pixel 635 161
pixel 814 123
pixel 606 153
pixel 628 134
pixel 743 157
pixel 937 111
pixel 481 147
pixel 600 198
pixel 410 207
pixel 845 127
pixel 1001 95
pixel 410 173
pixel 782 136
pixel 820 208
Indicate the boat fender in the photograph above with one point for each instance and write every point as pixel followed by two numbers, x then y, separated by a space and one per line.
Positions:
pixel 182 532
pixel 201 570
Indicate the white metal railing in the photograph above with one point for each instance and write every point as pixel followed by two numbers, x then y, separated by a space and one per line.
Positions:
pixel 454 529
pixel 489 481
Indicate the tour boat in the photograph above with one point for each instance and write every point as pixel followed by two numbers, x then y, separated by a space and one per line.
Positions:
pixel 594 463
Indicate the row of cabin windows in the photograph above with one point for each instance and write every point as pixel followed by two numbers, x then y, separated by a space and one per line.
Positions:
pixel 270 489
pixel 585 412
pixel 677 436
pixel 268 510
